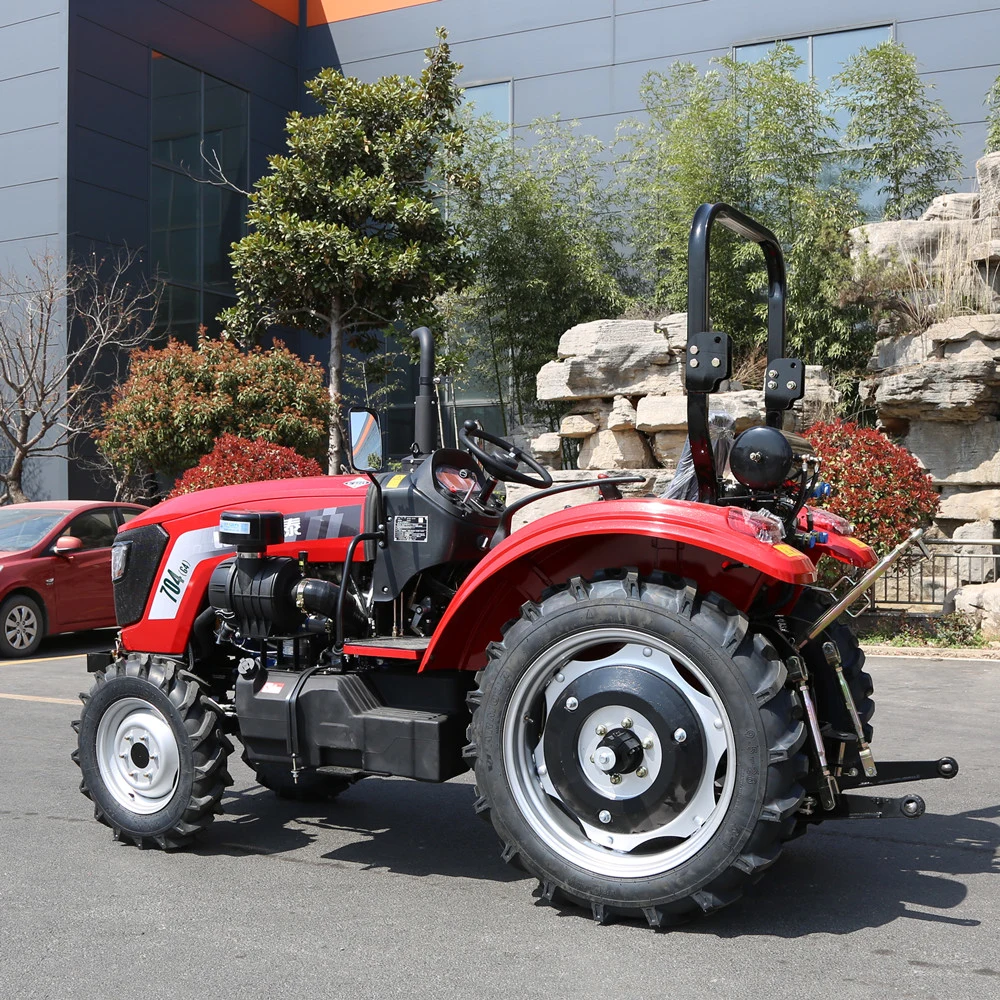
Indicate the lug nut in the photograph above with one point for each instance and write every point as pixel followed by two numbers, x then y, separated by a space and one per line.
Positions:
pixel 604 816
pixel 647 651
pixel 601 730
pixel 572 704
pixel 560 677
pixel 626 723
pixel 616 779
pixel 542 770
pixel 641 772
pixel 680 735
pixel 647 743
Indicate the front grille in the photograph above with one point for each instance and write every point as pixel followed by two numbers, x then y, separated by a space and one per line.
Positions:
pixel 132 590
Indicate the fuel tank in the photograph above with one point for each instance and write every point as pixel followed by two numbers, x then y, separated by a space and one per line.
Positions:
pixel 169 552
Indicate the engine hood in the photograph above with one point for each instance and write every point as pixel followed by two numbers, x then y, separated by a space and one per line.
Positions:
pixel 256 496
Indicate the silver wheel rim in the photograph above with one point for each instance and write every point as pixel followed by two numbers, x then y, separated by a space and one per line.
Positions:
pixel 582 840
pixel 20 627
pixel 138 755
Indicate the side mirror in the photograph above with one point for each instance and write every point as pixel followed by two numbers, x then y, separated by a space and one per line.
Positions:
pixel 366 441
pixel 65 544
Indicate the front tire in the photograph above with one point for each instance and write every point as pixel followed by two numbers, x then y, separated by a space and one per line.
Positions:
pixel 152 752
pixel 636 749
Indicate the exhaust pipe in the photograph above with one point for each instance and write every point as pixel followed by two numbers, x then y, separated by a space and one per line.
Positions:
pixel 424 423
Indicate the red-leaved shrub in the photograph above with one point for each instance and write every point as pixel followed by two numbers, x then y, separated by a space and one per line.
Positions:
pixel 876 484
pixel 236 460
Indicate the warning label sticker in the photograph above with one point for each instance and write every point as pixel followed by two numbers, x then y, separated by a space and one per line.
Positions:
pixel 410 529
pixel 272 687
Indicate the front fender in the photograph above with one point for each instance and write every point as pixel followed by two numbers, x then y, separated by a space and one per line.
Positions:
pixel 690 540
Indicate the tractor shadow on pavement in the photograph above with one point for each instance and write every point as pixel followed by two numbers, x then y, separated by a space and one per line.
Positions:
pixel 389 824
pixel 848 876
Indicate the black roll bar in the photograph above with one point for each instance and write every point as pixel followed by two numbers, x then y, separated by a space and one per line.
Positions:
pixel 698 319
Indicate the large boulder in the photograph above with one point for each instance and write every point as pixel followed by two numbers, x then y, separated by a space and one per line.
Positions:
pixel 940 391
pixel 615 450
pixel 605 358
pixel 661 413
pixel 983 601
pixel 957 453
pixel 978 505
pixel 547 448
pixel 952 207
pixel 934 246
pixel 988 176
pixel 622 416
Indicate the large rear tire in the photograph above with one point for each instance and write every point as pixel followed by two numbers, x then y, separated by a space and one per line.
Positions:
pixel 152 752
pixel 636 749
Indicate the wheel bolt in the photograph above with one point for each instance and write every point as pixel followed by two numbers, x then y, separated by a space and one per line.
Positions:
pixel 560 677
pixel 616 779
pixel 717 723
pixel 572 704
pixel 626 723
pixel 148 775
pixel 680 735
pixel 124 756
pixel 542 770
pixel 604 816
pixel 128 739
pixel 647 743
pixel 602 730
pixel 641 772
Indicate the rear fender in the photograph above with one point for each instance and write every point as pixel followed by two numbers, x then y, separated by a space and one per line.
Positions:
pixel 689 540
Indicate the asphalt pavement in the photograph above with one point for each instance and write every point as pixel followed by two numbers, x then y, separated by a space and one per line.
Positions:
pixel 397 889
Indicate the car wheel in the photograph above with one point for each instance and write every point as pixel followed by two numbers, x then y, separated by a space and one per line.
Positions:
pixel 21 626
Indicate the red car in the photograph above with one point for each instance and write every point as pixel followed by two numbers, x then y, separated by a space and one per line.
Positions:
pixel 55 569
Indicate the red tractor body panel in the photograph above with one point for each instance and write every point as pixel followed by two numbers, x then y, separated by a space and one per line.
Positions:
pixel 322 514
pixel 690 540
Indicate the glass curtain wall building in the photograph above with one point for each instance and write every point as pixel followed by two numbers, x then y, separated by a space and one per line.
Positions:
pixel 109 108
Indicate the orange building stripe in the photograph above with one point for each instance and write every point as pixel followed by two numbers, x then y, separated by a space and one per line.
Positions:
pixel 328 11
pixel 288 9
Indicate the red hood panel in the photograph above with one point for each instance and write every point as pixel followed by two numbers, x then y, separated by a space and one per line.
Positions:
pixel 350 489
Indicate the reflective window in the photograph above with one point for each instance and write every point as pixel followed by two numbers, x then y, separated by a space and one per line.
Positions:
pixel 491 99
pixel 823 57
pixel 96 529
pixel 22 526
pixel 199 127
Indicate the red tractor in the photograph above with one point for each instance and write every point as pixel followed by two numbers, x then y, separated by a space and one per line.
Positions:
pixel 654 694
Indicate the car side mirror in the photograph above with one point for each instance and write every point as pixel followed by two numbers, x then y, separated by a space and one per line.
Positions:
pixel 65 544
pixel 366 440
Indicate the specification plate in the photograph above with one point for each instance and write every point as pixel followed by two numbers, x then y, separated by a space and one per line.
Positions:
pixel 410 529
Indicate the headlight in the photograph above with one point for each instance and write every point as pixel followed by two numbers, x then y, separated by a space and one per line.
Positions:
pixel 119 559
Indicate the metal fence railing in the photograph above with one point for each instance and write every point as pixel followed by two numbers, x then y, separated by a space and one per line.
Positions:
pixel 927 585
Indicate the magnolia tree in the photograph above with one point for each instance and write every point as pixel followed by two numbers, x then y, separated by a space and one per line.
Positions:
pixel 345 235
pixel 64 330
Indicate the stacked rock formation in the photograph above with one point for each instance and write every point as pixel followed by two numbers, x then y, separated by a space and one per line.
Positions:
pixel 939 391
pixel 625 379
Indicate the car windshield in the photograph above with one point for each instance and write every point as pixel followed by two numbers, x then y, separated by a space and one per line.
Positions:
pixel 21 528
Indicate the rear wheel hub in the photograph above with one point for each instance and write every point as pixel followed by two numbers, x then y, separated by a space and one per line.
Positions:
pixel 636 772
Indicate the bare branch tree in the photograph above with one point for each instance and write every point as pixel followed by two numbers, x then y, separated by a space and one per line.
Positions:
pixel 65 330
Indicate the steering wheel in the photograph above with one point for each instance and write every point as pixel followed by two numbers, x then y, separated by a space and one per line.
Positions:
pixel 502 467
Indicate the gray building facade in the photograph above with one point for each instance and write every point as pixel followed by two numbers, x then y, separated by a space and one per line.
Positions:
pixel 107 106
